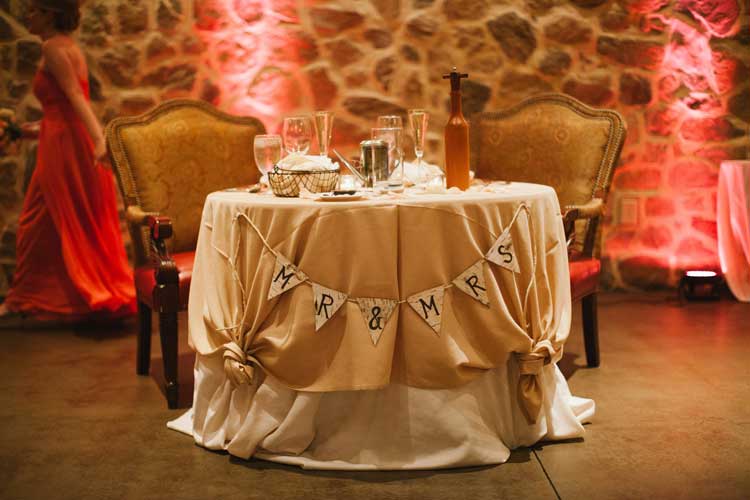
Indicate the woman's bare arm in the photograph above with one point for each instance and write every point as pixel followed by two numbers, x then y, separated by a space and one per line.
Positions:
pixel 60 66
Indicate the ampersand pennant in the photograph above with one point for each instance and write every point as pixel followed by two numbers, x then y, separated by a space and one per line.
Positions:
pixel 472 283
pixel 376 313
pixel 327 302
pixel 429 305
pixel 285 277
pixel 502 252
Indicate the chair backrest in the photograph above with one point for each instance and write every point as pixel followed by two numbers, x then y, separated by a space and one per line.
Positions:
pixel 168 159
pixel 551 139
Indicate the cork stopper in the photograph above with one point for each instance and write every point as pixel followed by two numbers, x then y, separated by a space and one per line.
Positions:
pixel 455 78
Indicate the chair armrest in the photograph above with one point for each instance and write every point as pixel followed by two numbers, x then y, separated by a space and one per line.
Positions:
pixel 166 295
pixel 135 215
pixel 594 208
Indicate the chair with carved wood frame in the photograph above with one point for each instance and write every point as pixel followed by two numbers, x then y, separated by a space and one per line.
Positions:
pixel 167 160
pixel 556 140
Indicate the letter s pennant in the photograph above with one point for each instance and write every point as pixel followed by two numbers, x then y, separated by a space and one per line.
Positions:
pixel 503 254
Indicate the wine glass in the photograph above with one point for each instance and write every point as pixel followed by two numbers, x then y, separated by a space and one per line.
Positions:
pixel 390 121
pixel 392 136
pixel 267 151
pixel 323 129
pixel 418 119
pixel 297 132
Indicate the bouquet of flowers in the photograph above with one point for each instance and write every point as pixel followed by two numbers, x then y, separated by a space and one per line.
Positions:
pixel 10 132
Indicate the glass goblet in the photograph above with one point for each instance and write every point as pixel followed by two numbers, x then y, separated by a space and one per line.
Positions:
pixel 297 132
pixel 390 121
pixel 267 152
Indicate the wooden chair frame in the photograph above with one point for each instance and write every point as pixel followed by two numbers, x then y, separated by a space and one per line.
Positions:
pixel 150 232
pixel 591 211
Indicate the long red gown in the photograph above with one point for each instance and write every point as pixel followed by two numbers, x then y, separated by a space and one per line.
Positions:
pixel 69 250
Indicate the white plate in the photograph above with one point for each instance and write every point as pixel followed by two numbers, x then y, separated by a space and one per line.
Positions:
pixel 340 197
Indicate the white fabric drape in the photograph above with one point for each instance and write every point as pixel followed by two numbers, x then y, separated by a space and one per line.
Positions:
pixel 397 427
pixel 733 224
pixel 269 384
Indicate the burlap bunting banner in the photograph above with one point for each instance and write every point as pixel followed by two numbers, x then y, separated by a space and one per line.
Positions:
pixel 472 283
pixel 429 306
pixel 376 313
pixel 285 277
pixel 327 302
pixel 503 254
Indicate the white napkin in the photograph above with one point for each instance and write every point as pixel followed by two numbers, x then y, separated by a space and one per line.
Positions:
pixel 412 173
pixel 296 161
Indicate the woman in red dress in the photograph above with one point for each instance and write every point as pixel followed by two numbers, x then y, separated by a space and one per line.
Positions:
pixel 71 263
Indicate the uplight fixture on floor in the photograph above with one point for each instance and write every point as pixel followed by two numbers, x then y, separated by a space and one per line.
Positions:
pixel 700 285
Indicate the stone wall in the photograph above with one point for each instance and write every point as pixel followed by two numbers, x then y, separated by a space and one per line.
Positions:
pixel 677 70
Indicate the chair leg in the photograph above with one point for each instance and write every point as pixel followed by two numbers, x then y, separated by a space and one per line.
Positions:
pixel 143 356
pixel 590 330
pixel 168 333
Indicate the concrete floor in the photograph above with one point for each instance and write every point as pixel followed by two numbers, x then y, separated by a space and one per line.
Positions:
pixel 673 421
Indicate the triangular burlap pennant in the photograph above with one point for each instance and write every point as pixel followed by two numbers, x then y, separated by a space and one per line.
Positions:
pixel 285 277
pixel 503 254
pixel 429 305
pixel 376 313
pixel 471 282
pixel 326 302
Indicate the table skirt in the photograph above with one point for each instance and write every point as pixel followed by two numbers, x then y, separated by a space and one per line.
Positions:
pixel 394 428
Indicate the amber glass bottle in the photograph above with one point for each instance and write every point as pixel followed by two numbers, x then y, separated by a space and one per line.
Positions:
pixel 456 138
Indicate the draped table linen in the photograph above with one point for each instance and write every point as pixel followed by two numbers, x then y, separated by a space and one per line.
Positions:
pixel 733 225
pixel 268 384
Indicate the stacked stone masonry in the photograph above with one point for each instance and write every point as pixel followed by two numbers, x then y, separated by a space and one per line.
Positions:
pixel 677 70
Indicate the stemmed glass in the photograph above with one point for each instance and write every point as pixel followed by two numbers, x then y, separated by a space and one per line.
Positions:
pixel 267 151
pixel 418 119
pixel 323 130
pixel 297 132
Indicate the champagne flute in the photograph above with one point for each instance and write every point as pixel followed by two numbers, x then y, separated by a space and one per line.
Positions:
pixel 267 152
pixel 323 130
pixel 418 119
pixel 297 132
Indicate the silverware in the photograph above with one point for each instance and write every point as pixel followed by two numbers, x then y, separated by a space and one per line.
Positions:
pixel 351 168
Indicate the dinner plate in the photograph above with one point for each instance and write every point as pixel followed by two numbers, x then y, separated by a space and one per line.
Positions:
pixel 339 197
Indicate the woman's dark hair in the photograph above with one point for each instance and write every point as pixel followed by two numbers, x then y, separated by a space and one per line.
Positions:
pixel 66 14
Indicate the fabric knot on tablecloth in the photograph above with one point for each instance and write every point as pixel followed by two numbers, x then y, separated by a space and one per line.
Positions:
pixel 530 366
pixel 238 366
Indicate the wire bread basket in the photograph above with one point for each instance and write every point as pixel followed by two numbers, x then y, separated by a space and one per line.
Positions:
pixel 287 183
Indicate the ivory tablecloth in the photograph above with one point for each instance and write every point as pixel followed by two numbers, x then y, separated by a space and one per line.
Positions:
pixel 733 224
pixel 487 382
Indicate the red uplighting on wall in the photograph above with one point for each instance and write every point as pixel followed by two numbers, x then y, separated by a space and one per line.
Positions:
pixel 254 52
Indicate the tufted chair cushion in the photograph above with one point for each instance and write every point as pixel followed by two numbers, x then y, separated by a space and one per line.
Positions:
pixel 175 155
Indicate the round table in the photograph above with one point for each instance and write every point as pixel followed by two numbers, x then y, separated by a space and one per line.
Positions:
pixel 733 224
pixel 404 331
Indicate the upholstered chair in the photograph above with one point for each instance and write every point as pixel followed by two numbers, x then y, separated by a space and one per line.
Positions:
pixel 167 160
pixel 556 140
